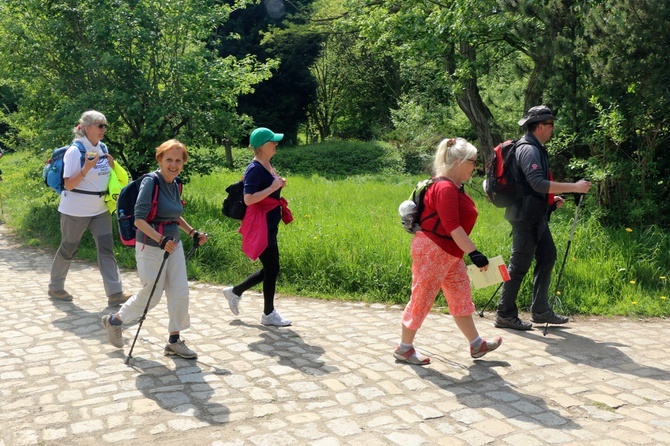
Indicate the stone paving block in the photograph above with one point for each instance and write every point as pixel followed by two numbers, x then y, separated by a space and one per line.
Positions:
pixel 605 399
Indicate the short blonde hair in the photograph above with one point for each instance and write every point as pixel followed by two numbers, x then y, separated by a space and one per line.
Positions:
pixel 89 117
pixel 450 151
pixel 169 145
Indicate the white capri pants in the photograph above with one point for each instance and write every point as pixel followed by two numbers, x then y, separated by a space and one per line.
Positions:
pixel 173 281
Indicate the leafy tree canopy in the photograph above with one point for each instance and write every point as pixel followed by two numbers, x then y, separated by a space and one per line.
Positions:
pixel 147 65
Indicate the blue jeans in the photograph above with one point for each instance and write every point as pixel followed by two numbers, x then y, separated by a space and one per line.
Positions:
pixel 529 242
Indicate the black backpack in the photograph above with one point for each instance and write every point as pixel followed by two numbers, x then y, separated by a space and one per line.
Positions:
pixel 125 207
pixel 233 205
pixel 501 185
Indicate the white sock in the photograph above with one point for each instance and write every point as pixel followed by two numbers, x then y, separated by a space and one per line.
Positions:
pixel 475 343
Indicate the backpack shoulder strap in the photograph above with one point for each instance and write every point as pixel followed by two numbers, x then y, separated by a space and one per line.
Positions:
pixel 82 151
pixel 153 210
pixel 434 214
pixel 104 148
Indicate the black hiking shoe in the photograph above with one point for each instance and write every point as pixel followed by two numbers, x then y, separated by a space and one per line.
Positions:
pixel 512 322
pixel 549 317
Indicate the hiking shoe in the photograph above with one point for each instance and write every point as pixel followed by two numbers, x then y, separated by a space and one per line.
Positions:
pixel 410 356
pixel 116 300
pixel 60 295
pixel 512 322
pixel 275 319
pixel 485 347
pixel 114 332
pixel 179 349
pixel 549 317
pixel 233 300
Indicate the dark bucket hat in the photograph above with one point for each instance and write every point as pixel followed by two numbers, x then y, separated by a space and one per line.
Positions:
pixel 536 114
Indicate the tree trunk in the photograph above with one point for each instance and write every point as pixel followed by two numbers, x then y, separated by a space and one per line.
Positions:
pixel 534 90
pixel 479 115
pixel 229 152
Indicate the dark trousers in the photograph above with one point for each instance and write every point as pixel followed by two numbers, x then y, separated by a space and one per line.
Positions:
pixel 529 242
pixel 268 275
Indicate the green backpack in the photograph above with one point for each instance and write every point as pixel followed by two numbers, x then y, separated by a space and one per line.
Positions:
pixel 410 210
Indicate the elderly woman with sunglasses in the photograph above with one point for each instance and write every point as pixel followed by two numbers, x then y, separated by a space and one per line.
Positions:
pixel 447 219
pixel 82 206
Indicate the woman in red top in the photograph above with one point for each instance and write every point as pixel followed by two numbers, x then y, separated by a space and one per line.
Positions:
pixel 437 257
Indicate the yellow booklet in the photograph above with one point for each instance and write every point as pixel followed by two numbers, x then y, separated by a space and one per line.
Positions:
pixel 496 273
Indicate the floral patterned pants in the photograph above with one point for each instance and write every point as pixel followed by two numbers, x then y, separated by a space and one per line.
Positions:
pixel 434 269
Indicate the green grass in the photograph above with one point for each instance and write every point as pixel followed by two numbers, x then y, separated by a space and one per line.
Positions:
pixel 346 241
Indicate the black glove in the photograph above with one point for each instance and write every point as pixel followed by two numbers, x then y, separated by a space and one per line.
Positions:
pixel 478 259
pixel 164 242
pixel 196 237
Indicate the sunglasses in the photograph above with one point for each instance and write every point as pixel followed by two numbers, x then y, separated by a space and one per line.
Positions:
pixel 100 126
pixel 551 123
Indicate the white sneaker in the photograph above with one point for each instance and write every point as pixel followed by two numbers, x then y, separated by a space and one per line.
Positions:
pixel 233 300
pixel 275 319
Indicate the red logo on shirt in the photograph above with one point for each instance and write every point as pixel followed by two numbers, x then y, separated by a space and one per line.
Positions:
pixel 534 166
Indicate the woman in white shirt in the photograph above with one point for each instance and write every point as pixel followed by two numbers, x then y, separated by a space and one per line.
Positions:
pixel 82 206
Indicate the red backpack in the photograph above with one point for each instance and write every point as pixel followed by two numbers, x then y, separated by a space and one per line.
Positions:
pixel 501 185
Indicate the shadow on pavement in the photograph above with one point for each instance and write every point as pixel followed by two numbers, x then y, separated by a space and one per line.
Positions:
pixel 291 351
pixel 603 355
pixel 87 324
pixel 185 390
pixel 483 388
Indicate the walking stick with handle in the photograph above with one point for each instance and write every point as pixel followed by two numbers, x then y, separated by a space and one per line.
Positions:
pixel 146 308
pixel 481 313
pixel 580 197
pixel 196 244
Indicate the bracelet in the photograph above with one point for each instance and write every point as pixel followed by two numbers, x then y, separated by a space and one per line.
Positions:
pixel 191 232
pixel 82 173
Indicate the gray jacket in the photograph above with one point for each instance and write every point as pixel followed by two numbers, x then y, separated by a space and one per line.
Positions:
pixel 533 169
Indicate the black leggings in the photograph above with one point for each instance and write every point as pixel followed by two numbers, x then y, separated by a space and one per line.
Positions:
pixel 268 275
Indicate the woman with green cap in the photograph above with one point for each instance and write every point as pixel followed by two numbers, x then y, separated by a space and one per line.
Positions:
pixel 265 208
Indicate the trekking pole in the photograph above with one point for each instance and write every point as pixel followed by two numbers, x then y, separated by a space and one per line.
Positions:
pixel 481 313
pixel 196 244
pixel 580 197
pixel 146 308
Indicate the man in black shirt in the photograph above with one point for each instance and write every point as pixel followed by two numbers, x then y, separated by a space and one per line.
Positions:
pixel 531 237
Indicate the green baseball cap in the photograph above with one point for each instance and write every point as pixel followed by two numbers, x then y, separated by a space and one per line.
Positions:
pixel 262 135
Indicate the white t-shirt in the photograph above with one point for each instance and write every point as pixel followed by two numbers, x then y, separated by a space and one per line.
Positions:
pixel 96 180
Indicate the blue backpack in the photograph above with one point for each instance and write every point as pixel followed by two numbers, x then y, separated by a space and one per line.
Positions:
pixel 52 174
